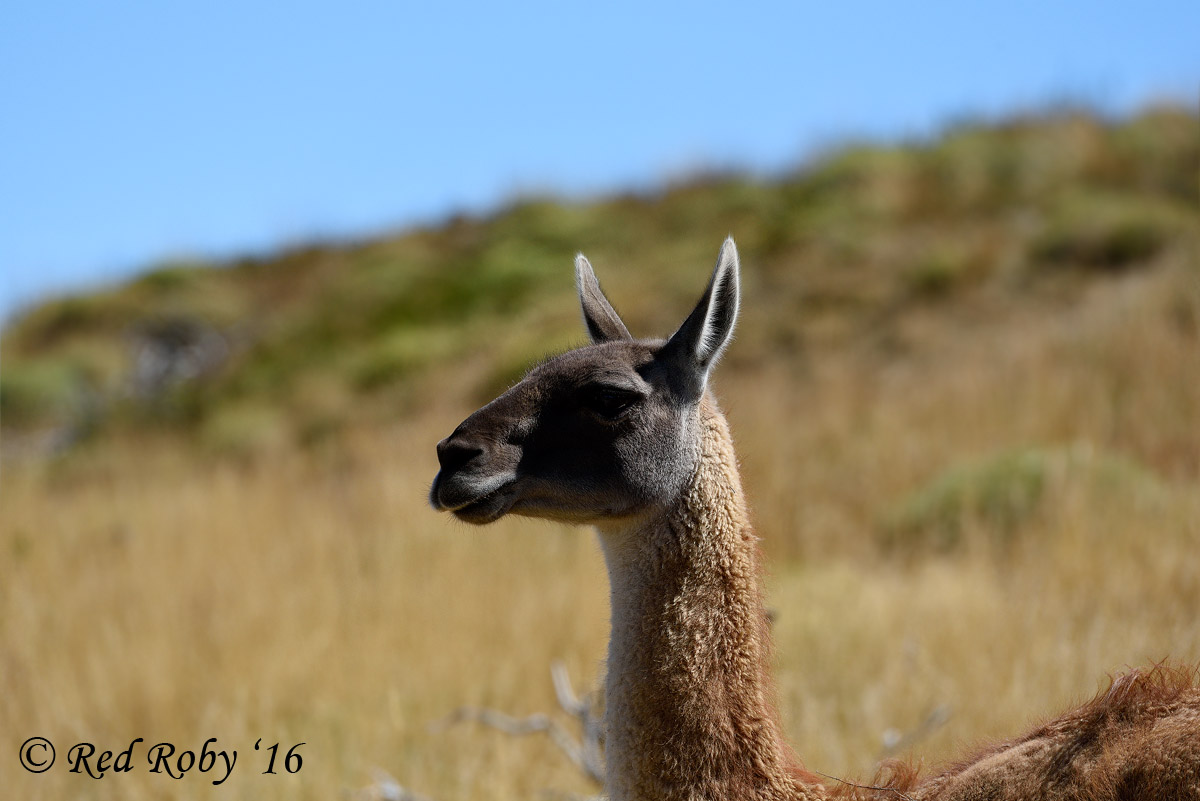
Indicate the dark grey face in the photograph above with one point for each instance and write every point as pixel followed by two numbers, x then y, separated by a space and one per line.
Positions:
pixel 604 432
pixel 592 434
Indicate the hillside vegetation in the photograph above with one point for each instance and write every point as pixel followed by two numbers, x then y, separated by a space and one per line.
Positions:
pixel 965 391
pixel 844 251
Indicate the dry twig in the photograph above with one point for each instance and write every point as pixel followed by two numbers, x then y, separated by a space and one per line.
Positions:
pixel 587 752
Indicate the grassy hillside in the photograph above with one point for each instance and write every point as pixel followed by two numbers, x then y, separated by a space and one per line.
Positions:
pixel 844 250
pixel 965 392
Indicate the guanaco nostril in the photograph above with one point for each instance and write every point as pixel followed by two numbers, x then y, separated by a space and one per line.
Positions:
pixel 453 454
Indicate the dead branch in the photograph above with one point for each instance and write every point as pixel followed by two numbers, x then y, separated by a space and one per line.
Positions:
pixel 586 753
pixel 386 788
pixel 895 741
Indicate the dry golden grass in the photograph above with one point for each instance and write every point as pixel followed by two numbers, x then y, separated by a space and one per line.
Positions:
pixel 312 596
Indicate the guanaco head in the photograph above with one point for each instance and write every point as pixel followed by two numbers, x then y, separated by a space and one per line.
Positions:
pixel 604 432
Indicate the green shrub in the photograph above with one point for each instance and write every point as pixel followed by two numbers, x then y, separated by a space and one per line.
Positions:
pixel 997 497
pixel 1105 234
pixel 936 273
pixel 245 429
pixel 999 494
pixel 39 392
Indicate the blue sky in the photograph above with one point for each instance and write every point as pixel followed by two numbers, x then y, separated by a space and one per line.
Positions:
pixel 138 132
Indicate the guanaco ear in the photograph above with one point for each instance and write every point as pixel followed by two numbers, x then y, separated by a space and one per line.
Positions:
pixel 601 319
pixel 695 347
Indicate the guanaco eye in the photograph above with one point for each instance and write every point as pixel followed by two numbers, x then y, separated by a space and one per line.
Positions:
pixel 609 402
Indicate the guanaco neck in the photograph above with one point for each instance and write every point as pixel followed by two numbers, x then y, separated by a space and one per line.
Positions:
pixel 690 707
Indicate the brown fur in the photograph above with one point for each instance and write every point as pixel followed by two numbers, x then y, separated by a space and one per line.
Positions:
pixel 696 700
pixel 1138 739
pixel 623 435
pixel 691 707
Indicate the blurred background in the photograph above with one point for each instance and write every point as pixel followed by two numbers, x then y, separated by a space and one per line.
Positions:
pixel 258 258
